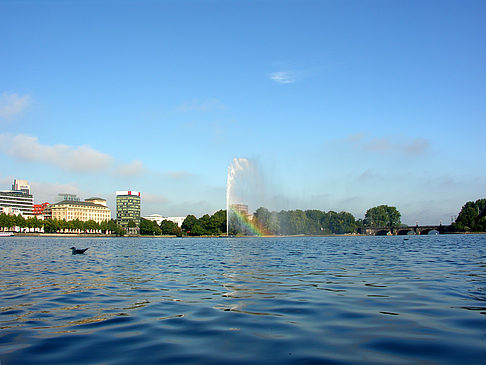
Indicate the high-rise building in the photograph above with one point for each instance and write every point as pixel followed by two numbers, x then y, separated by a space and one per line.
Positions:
pixel 18 199
pixel 128 207
pixel 21 185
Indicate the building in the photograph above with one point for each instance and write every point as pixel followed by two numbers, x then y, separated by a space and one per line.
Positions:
pixel 10 211
pixel 241 208
pixel 177 220
pixel 21 185
pixel 70 197
pixel 90 209
pixel 19 198
pixel 128 207
pixel 157 218
pixel 42 211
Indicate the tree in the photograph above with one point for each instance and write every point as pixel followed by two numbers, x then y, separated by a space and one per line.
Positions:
pixel 20 221
pixel 149 227
pixel 472 217
pixel 217 223
pixel 51 225
pixel 204 223
pixel 188 223
pixel 116 228
pixel 170 228
pixel 132 224
pixel 382 216
pixel 197 230
pixel 7 221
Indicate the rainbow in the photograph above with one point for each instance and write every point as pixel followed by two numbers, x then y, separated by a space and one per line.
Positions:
pixel 252 226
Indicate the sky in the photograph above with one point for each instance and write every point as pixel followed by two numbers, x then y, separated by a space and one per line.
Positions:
pixel 339 105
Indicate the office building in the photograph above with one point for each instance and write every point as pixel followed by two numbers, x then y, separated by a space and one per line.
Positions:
pixel 128 207
pixel 19 198
pixel 90 209
pixel 21 185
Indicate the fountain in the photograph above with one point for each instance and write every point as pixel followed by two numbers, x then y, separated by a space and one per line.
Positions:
pixel 244 190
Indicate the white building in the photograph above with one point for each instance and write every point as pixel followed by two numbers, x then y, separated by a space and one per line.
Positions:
pixel 159 218
pixel 177 220
pixel 21 185
pixel 19 198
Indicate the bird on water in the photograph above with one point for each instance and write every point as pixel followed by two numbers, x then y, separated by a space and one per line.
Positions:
pixel 78 251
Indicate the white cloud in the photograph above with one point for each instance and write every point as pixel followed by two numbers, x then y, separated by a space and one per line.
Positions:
pixel 12 104
pixel 47 192
pixel 27 148
pixel 285 77
pixel 133 168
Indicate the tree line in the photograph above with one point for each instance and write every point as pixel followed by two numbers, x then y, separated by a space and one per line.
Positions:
pixel 471 218
pixel 207 225
pixel 50 225
pixel 317 222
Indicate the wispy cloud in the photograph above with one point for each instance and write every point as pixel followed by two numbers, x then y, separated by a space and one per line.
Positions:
pixel 29 149
pixel 285 77
pixel 411 148
pixel 12 104
pixel 47 192
pixel 133 168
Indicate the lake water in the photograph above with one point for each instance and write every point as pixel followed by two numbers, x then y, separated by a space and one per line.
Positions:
pixel 419 299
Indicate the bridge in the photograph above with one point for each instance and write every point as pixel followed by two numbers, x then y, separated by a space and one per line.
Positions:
pixel 419 230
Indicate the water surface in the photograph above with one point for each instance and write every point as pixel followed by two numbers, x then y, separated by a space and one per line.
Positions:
pixel 246 300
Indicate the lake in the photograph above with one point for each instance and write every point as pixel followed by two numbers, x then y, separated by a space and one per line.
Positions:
pixel 413 299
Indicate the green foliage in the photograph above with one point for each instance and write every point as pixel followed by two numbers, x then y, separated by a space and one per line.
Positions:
pixel 310 222
pixel 472 217
pixel 53 225
pixel 7 221
pixel 382 216
pixel 148 227
pixel 132 224
pixel 188 223
pixel 114 227
pixel 170 228
pixel 214 225
pixel 217 223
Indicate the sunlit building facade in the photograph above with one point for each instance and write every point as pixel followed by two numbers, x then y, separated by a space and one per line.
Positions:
pixel 91 209
pixel 18 199
pixel 128 207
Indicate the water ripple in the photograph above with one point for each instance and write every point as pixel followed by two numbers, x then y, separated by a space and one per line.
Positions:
pixel 280 300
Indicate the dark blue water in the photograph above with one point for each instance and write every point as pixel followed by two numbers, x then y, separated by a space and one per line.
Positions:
pixel 254 300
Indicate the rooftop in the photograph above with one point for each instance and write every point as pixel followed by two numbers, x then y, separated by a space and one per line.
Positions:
pixel 85 203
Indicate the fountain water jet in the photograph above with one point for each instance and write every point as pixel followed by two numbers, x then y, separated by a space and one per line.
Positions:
pixel 244 190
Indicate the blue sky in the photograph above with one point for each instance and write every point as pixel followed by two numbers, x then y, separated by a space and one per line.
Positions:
pixel 341 105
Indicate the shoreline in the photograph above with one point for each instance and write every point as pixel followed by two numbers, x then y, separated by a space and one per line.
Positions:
pixel 98 235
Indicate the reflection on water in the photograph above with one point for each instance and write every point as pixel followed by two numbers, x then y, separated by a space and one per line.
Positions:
pixel 285 300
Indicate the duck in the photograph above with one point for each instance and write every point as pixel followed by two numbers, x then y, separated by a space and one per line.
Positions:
pixel 78 251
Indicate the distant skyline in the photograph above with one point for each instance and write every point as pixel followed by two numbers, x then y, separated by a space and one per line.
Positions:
pixel 340 105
